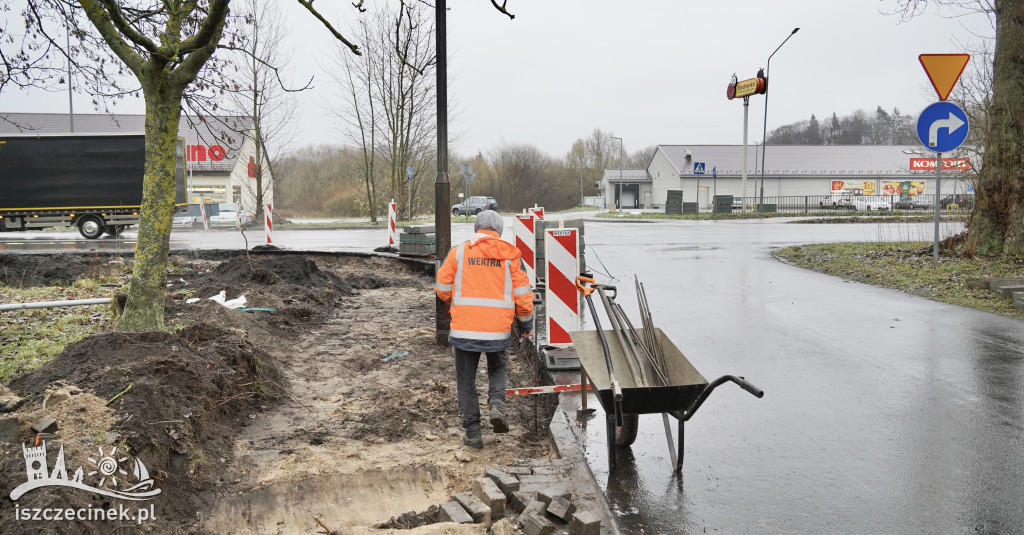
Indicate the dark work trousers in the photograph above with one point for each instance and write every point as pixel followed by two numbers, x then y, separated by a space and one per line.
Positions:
pixel 466 363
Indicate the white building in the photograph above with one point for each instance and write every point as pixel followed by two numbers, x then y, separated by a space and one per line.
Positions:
pixel 220 153
pixel 792 173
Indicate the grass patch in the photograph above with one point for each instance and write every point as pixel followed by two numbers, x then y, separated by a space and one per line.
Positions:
pixel 30 338
pixel 909 267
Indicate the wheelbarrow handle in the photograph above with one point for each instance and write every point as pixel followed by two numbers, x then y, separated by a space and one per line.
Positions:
pixel 748 386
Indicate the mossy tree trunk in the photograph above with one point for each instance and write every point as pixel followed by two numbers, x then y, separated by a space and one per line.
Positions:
pixel 997 224
pixel 165 64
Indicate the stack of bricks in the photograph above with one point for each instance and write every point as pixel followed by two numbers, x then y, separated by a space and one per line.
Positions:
pixel 497 495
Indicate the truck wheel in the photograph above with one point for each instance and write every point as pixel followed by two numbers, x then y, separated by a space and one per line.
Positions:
pixel 626 435
pixel 113 230
pixel 90 226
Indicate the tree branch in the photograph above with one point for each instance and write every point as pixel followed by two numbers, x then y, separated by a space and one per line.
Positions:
pixel 502 9
pixel 308 4
pixel 115 16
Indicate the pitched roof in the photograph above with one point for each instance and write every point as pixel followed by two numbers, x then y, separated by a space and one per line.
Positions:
pixel 627 175
pixel 207 131
pixel 799 160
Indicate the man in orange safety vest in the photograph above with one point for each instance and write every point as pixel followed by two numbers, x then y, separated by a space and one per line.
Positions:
pixel 485 284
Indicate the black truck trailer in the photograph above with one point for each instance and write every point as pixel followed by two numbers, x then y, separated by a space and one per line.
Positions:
pixel 89 181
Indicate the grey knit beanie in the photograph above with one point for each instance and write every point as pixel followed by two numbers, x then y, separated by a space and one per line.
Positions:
pixel 488 220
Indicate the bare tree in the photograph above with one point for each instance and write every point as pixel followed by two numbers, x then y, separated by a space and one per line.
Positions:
pixel 389 99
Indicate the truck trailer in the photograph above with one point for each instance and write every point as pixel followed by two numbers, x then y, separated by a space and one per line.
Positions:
pixel 89 181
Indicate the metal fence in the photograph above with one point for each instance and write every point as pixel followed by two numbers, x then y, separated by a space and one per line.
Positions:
pixel 833 204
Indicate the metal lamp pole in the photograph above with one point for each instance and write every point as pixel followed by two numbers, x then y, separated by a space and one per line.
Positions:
pixel 764 133
pixel 442 184
pixel 618 195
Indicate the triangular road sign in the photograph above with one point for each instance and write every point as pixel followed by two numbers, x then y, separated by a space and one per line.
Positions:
pixel 944 70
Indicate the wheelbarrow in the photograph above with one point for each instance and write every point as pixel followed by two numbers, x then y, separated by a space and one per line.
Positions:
pixel 624 397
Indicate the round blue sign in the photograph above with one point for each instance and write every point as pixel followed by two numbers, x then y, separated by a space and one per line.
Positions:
pixel 942 127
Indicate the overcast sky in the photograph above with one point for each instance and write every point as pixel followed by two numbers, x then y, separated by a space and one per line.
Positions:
pixel 650 71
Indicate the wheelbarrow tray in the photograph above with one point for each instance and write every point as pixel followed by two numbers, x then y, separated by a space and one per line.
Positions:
pixel 685 382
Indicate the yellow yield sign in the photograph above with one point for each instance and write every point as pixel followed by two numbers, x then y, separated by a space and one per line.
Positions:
pixel 944 70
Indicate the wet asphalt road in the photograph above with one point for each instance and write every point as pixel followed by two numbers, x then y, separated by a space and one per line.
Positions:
pixel 883 412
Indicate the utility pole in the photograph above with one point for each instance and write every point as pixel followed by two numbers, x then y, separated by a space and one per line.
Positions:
pixel 618 194
pixel 442 185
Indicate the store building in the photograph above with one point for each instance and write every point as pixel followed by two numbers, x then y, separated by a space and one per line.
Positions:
pixel 220 154
pixel 793 174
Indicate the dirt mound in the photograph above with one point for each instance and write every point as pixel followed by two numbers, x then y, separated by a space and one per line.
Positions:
pixel 183 396
pixel 24 271
pixel 297 270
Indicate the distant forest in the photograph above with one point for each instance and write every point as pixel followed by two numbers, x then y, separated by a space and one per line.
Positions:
pixel 858 128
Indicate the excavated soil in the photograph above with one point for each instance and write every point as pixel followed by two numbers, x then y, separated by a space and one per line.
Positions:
pixel 333 403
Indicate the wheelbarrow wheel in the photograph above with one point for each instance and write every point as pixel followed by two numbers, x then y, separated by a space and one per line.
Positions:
pixel 626 435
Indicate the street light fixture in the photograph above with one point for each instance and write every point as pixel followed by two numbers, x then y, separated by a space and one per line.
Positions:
pixel 764 133
pixel 618 194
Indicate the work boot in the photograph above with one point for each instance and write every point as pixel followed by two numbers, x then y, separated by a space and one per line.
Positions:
pixel 498 419
pixel 473 440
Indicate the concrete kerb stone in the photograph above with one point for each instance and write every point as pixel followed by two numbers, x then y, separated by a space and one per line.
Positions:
pixel 489 493
pixel 561 508
pixel 521 499
pixel 585 523
pixel 9 429
pixel 505 482
pixel 536 525
pixel 480 512
pixel 453 512
pixel 994 283
pixel 1018 300
pixel 1008 290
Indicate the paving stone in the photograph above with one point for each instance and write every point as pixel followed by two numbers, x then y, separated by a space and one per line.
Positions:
pixel 546 495
pixel 489 493
pixel 585 523
pixel 561 508
pixel 519 470
pixel 520 499
pixel 9 429
pixel 481 513
pixel 536 525
pixel 46 424
pixel 507 483
pixel 536 507
pixel 538 480
pixel 453 512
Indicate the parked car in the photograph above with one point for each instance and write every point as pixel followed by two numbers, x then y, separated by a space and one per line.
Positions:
pixel 475 205
pixel 229 213
pixel 913 203
pixel 870 203
pixel 837 200
pixel 962 201
pixel 737 203
pixel 191 215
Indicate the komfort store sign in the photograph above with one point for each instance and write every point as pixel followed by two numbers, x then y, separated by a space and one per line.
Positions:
pixel 200 153
pixel 948 164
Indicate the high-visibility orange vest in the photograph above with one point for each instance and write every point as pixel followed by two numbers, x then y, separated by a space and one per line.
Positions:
pixel 486 286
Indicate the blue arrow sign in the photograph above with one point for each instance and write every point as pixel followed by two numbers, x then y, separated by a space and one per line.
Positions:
pixel 942 127
pixel 714 172
pixel 698 168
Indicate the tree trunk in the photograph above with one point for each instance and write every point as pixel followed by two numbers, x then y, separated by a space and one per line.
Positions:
pixel 997 224
pixel 147 293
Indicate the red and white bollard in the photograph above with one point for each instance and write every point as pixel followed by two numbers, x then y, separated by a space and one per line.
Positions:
pixel 392 220
pixel 206 221
pixel 525 241
pixel 562 262
pixel 268 227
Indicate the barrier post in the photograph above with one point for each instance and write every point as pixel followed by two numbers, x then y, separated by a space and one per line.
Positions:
pixel 202 212
pixel 392 231
pixel 268 227
pixel 526 241
pixel 537 211
pixel 561 301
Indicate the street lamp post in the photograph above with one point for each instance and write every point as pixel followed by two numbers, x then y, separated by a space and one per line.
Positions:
pixel 618 194
pixel 764 133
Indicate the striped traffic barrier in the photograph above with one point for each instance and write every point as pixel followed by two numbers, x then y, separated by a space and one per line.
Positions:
pixel 561 302
pixel 526 241
pixel 552 389
pixel 537 211
pixel 269 226
pixel 392 218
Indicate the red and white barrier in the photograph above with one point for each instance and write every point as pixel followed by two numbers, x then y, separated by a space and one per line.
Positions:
pixel 553 389
pixel 526 241
pixel 561 301
pixel 392 219
pixel 268 227
pixel 537 211
pixel 206 220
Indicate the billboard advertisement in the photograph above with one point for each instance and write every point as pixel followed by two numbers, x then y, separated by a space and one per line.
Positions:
pixel 904 188
pixel 855 187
